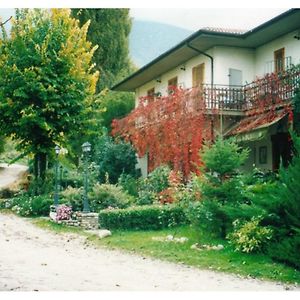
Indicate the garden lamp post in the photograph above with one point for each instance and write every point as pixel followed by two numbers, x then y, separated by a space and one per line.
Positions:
pixel 86 149
pixel 57 150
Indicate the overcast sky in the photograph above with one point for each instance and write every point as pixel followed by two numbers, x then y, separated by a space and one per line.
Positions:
pixel 196 18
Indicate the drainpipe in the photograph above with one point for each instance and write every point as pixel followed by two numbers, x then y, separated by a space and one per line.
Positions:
pixel 211 81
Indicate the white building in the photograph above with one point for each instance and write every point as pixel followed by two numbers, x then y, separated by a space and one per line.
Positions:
pixel 229 61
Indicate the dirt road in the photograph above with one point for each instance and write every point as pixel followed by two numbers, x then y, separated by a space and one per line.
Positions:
pixel 32 259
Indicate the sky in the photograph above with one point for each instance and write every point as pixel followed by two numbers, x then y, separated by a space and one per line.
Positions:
pixel 189 14
pixel 196 18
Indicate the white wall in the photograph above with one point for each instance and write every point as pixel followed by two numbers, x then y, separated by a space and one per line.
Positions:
pixel 234 58
pixel 265 53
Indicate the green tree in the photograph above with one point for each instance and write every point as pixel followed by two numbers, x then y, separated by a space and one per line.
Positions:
pixel 114 158
pixel 110 29
pixel 221 189
pixel 46 76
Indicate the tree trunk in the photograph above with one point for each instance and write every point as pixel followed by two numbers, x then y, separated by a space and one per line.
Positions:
pixel 39 171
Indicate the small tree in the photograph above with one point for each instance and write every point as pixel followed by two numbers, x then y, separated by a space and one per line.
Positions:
pixel 114 158
pixel 220 187
pixel 46 75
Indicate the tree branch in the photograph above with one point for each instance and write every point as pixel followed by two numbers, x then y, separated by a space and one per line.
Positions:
pixel 1 24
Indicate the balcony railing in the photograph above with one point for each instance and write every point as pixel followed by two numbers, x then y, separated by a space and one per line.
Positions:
pixel 273 88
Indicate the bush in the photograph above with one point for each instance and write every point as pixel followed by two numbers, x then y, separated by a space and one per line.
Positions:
pixel 287 251
pixel 63 212
pixel 155 183
pixel 150 217
pixel 114 158
pixel 109 195
pixel 73 197
pixel 129 184
pixel 26 205
pixel 250 236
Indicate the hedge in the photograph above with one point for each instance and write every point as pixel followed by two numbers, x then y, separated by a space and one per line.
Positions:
pixel 146 217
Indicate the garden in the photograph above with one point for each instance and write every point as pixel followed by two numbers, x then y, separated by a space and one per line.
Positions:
pixel 220 219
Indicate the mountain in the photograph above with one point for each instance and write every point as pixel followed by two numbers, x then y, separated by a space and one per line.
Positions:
pixel 148 40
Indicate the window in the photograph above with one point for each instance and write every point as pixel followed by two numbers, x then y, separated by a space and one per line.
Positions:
pixel 198 75
pixel 279 60
pixel 150 95
pixel 172 84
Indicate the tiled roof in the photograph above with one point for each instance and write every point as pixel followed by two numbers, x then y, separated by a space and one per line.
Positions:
pixel 224 30
pixel 256 122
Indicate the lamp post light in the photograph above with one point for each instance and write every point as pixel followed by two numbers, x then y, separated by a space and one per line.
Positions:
pixel 57 150
pixel 86 148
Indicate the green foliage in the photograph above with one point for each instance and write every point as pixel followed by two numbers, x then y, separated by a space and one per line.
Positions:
pixel 157 181
pixel 221 189
pixel 129 184
pixel 223 157
pixel 250 236
pixel 27 206
pixel 287 251
pixel 114 105
pixel 46 76
pixel 114 158
pixel 108 195
pixel 72 196
pixel 110 29
pixel 142 217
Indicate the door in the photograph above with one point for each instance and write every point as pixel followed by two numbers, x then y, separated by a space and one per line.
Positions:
pixel 279 60
pixel 281 150
pixel 235 77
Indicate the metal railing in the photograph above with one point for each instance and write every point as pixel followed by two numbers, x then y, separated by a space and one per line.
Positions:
pixel 272 88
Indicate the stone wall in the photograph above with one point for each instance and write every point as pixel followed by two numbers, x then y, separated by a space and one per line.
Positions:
pixel 89 221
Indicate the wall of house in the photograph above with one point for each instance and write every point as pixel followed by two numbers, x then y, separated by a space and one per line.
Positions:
pixel 254 160
pixel 142 164
pixel 184 76
pixel 234 58
pixel 265 53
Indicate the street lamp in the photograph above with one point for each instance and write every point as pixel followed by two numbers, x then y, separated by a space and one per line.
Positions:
pixel 57 150
pixel 86 148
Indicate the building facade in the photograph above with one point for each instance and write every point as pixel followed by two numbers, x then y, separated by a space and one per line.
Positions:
pixel 247 78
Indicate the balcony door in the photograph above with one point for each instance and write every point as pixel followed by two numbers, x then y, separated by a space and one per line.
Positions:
pixel 235 77
pixel 279 60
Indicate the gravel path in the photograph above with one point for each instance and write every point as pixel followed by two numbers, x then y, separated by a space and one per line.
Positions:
pixel 34 259
pixel 10 173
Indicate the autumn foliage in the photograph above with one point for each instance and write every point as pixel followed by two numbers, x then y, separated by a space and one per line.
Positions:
pixel 171 129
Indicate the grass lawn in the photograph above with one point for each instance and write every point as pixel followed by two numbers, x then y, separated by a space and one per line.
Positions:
pixel 226 260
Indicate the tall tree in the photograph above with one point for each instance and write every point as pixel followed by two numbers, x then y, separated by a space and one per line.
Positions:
pixel 46 76
pixel 110 28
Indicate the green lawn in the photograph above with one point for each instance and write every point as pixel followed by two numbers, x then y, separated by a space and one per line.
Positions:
pixel 226 260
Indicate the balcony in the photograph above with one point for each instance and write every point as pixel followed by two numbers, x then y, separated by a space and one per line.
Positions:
pixel 270 90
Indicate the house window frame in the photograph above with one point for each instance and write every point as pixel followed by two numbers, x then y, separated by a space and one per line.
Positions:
pixel 172 82
pixel 277 66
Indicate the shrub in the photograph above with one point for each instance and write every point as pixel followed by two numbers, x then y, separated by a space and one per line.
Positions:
pixel 287 251
pixel 73 197
pixel 26 205
pixel 147 217
pixel 114 158
pixel 219 183
pixel 109 195
pixel 63 212
pixel 156 182
pixel 129 184
pixel 250 236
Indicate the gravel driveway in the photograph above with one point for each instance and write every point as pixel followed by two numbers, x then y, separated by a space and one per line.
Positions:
pixel 33 259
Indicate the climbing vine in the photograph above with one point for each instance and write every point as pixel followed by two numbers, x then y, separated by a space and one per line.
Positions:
pixel 171 129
